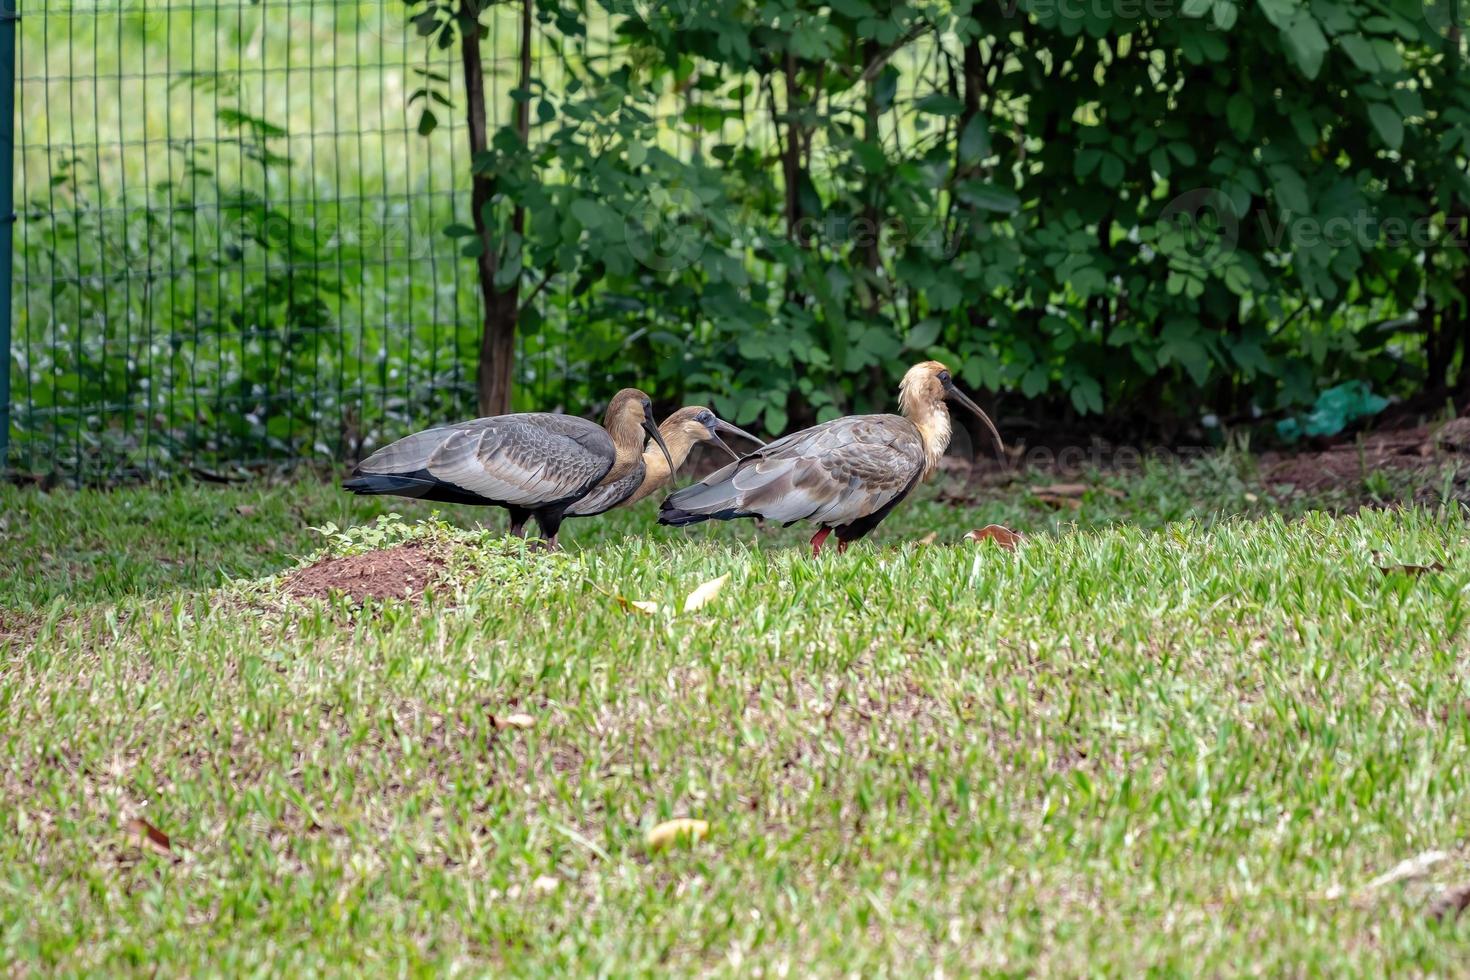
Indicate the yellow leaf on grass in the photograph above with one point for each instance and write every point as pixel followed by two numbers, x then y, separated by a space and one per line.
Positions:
pixel 644 606
pixel 514 721
pixel 705 594
pixel 670 831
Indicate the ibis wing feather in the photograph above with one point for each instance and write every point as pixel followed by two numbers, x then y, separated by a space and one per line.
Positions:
pixel 831 473
pixel 522 460
pixel 607 496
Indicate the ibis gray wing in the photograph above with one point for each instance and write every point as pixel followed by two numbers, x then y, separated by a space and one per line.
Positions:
pixel 831 473
pixel 609 495
pixel 523 460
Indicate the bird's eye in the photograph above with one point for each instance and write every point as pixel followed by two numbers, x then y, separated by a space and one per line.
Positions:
pixel 707 418
pixel 943 377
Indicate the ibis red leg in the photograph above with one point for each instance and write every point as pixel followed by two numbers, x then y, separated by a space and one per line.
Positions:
pixel 841 544
pixel 819 538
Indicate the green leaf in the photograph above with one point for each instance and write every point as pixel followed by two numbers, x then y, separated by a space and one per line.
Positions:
pixel 1087 161
pixel 427 122
pixel 1306 43
pixel 458 230
pixel 886 88
pixel 975 140
pixel 637 153
pixel 940 104
pixel 1388 123
pixel 1388 55
pixel 593 215
pixel 775 420
pixel 924 333
pixel 1086 395
pixel 987 196
pixel 1111 170
pixel 1291 190
pixel 1158 162
pixel 1225 14
pixel 1196 8
pixel 1035 381
pixel 1359 51
pixel 1240 112
pixel 1279 12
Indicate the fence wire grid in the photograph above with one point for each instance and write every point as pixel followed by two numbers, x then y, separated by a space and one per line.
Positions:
pixel 228 249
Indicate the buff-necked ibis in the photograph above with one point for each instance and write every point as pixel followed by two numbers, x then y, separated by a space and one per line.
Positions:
pixel 845 475
pixel 534 464
pixel 681 431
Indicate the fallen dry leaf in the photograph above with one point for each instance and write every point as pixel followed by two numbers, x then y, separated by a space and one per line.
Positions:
pixel 662 835
pixel 545 884
pixel 1397 568
pixel 705 594
pixel 1058 501
pixel 1003 536
pixel 929 538
pixel 1060 490
pixel 1450 903
pixel 150 836
pixel 245 510
pixel 1434 566
pixel 629 605
pixel 519 720
pixel 1075 490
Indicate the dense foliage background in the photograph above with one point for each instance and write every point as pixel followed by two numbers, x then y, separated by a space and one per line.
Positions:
pixel 1137 209
pixel 1147 212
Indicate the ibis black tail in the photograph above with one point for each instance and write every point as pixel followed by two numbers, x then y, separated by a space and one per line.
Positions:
pixel 420 483
pixel 674 517
pixel 387 483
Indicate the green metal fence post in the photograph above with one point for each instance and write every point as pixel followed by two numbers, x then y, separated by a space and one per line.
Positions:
pixel 8 17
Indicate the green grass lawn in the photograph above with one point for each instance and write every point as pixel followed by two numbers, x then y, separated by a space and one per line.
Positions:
pixel 1181 731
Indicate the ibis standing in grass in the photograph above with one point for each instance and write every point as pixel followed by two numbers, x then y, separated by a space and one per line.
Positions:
pixel 844 475
pixel 681 431
pixel 535 464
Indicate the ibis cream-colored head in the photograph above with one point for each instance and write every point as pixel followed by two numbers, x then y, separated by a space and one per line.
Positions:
pixel 682 430
pixel 922 395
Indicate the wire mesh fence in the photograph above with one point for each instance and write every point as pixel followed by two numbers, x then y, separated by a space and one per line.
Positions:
pixel 228 247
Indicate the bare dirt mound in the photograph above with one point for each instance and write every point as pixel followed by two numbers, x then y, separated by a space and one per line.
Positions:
pixel 1347 463
pixel 401 572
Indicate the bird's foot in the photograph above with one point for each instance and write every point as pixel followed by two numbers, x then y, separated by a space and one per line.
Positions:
pixel 841 545
pixel 819 538
pixel 543 544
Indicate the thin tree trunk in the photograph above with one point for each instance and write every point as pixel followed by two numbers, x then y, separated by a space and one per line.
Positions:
pixel 496 371
pixel 873 134
pixel 796 228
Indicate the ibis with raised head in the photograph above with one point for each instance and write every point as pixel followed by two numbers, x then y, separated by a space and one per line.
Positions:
pixel 534 464
pixel 682 431
pixel 845 475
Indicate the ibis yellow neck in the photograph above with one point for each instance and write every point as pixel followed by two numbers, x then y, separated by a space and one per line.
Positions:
pixel 932 421
pixel 655 467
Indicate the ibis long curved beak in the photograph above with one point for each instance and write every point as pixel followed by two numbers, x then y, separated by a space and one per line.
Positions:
pixel 950 391
pixel 720 425
pixel 658 437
